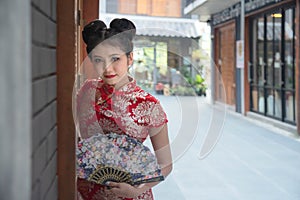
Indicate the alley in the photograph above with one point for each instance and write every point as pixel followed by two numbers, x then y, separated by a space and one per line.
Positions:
pixel 248 161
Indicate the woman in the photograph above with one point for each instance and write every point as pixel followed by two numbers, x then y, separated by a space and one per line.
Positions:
pixel 114 103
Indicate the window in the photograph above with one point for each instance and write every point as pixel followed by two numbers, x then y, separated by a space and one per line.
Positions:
pixel 273 65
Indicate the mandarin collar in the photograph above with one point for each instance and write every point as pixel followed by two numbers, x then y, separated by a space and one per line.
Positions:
pixel 109 89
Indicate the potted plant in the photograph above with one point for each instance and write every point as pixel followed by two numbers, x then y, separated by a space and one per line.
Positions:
pixel 200 85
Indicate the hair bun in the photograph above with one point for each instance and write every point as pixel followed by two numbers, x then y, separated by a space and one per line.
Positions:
pixel 96 32
pixel 95 29
pixel 123 25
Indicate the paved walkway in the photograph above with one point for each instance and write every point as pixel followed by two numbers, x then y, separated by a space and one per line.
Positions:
pixel 249 162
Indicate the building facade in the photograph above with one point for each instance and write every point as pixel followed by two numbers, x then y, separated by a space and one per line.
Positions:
pixel 256 57
pixel 160 8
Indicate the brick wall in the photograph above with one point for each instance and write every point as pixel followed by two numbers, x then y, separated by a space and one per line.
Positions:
pixel 44 79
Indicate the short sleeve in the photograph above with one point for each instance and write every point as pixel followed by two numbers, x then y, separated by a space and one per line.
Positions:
pixel 157 120
pixel 158 116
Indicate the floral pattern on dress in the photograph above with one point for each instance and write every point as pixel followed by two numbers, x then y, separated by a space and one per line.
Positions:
pixel 142 113
pixel 101 109
pixel 157 116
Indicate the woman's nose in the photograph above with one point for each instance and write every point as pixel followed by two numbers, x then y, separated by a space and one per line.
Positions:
pixel 108 66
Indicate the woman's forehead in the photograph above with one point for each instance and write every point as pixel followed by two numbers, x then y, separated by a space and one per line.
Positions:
pixel 107 50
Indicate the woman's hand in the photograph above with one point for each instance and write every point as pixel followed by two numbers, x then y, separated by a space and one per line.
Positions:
pixel 124 190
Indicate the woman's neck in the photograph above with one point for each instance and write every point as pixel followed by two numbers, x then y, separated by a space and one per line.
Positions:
pixel 124 80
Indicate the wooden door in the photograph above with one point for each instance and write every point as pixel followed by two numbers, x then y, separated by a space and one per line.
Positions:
pixel 225 64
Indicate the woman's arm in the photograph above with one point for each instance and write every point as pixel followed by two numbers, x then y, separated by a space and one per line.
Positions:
pixel 161 146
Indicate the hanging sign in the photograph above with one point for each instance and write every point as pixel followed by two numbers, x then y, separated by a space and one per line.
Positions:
pixel 240 54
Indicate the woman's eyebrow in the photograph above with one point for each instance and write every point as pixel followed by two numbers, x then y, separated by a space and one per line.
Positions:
pixel 115 54
pixel 98 56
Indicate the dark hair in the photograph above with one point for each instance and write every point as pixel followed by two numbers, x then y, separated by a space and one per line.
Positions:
pixel 120 33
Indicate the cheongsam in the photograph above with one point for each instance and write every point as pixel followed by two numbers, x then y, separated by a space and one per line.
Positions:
pixel 129 110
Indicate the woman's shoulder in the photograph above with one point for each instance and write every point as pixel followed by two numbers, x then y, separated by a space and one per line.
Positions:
pixel 91 83
pixel 146 96
pixel 88 87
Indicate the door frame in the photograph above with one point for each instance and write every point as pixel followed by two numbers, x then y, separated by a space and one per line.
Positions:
pixel 72 15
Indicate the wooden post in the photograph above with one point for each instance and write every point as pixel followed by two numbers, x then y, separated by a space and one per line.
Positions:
pixel 246 71
pixel 69 58
pixel 66 63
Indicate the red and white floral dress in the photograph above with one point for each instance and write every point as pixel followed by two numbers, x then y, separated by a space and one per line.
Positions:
pixel 129 110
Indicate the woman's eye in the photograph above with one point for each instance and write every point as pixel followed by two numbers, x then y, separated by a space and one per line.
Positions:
pixel 114 59
pixel 97 60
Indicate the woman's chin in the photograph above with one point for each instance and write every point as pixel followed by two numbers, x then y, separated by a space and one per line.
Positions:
pixel 110 82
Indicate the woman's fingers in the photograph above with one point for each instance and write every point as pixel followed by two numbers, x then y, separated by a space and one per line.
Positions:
pixel 112 184
pixel 122 189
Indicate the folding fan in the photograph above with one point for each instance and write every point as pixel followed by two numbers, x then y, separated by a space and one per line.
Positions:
pixel 118 158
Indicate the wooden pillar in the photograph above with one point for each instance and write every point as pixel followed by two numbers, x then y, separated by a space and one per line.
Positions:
pixel 246 60
pixel 66 63
pixel 216 51
pixel 71 16
pixel 297 66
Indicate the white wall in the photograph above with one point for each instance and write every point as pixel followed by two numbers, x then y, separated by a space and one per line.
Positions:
pixel 15 100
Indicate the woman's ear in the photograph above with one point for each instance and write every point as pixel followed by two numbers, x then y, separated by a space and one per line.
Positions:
pixel 130 59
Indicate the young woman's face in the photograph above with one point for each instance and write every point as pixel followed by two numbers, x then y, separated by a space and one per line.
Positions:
pixel 111 63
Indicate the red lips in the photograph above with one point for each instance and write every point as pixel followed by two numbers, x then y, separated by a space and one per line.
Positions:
pixel 110 76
